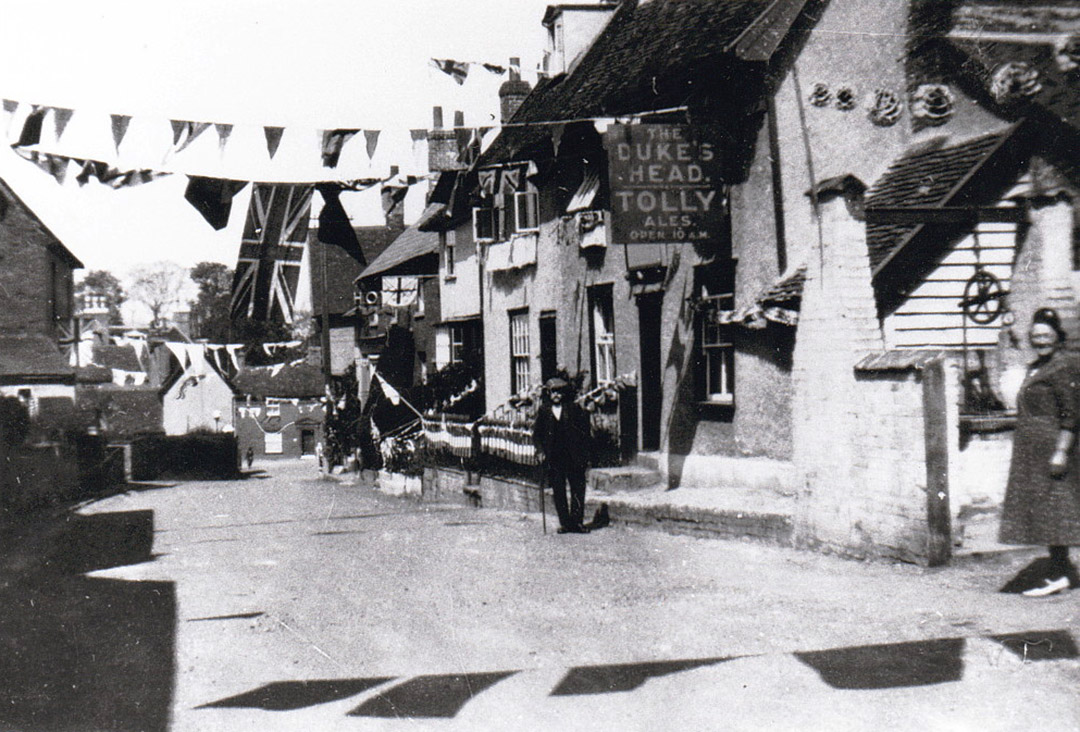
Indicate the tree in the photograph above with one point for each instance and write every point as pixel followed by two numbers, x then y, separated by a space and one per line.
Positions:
pixel 210 310
pixel 104 283
pixel 157 286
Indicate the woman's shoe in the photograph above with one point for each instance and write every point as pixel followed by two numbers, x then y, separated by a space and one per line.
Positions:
pixel 1052 587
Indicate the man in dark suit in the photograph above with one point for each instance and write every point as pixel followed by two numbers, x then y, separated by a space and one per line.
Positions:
pixel 561 434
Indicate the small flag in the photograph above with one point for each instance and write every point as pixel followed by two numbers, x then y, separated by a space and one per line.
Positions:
pixel 495 68
pixel 418 134
pixel 372 139
pixel 120 124
pixel 391 393
pixel 212 197
pixel 31 131
pixel 185 132
pixel 273 139
pixel 333 142
pixel 61 117
pixel 458 70
pixel 223 132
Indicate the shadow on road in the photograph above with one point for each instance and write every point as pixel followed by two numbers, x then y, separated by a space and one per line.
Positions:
pixel 78 652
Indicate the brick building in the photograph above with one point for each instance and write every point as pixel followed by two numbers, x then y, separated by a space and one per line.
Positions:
pixel 832 339
pixel 277 410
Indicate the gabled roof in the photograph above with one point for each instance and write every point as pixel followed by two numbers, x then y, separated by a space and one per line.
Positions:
pixel 648 57
pixel 33 358
pixel 294 380
pixel 55 245
pixel 410 245
pixel 928 176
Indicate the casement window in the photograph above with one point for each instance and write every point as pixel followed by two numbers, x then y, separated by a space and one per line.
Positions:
pixel 715 343
pixel 519 351
pixel 603 333
pixel 448 240
pixel 485 220
pixel 457 342
pixel 273 408
pixel 526 210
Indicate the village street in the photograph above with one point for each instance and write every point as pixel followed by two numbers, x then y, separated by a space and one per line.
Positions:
pixel 286 602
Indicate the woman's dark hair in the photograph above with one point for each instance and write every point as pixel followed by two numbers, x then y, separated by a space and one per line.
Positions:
pixel 1049 316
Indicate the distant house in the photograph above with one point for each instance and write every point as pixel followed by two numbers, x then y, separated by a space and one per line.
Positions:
pixel 278 410
pixel 36 305
pixel 199 397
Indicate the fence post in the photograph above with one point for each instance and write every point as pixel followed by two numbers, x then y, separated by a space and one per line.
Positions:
pixel 938 515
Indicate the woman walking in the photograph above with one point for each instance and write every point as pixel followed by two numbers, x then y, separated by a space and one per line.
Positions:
pixel 1042 500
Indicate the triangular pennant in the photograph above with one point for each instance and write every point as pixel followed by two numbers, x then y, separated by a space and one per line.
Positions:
pixel 372 139
pixel 273 139
pixel 334 225
pixel 120 124
pixel 223 132
pixel 495 68
pixel 556 137
pixel 212 197
pixel 31 131
pixel 61 117
pixel 178 127
pixel 54 165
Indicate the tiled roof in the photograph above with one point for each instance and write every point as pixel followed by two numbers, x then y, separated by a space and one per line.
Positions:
pixel 785 291
pixel 412 243
pixel 126 410
pixel 116 357
pixel 297 380
pixel 35 357
pixel 646 58
pixel 922 177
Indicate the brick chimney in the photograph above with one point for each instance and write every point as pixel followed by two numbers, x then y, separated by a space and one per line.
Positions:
pixel 512 92
pixel 442 145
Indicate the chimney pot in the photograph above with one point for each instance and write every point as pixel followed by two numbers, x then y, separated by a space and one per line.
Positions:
pixel 459 119
pixel 437 119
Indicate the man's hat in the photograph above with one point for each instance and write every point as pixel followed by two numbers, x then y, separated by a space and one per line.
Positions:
pixel 556 384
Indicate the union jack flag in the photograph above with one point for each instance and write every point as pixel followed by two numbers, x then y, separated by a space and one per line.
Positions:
pixel 268 269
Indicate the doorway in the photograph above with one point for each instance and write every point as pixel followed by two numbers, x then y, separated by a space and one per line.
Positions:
pixel 651 384
pixel 307 442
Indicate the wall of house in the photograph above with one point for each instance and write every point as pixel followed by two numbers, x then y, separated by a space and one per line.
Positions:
pixel 187 406
pixel 460 296
pixel 251 424
pixel 24 274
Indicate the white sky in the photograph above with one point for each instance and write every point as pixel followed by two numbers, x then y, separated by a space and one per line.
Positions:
pixel 302 64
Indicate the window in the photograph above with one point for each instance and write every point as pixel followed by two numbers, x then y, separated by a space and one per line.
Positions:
pixel 484 219
pixel 457 343
pixel 526 216
pixel 603 332
pixel 273 408
pixel 519 351
pixel 716 349
pixel 448 241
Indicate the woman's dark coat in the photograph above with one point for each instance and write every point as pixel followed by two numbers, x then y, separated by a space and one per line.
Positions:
pixel 1041 509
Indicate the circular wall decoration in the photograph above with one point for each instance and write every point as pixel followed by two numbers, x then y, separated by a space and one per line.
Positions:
pixel 845 98
pixel 932 103
pixel 885 107
pixel 1014 82
pixel 1067 53
pixel 820 96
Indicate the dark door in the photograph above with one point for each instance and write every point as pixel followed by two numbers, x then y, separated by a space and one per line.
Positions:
pixel 549 358
pixel 651 386
pixel 307 442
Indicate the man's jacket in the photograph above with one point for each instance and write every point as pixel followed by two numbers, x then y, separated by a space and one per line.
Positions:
pixel 566 442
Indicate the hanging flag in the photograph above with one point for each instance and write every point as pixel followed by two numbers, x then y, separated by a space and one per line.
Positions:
pixel 179 352
pixel 268 268
pixel 185 132
pixel 487 181
pixel 31 131
pixel 273 139
pixel 10 106
pixel 61 117
pixel 120 124
pixel 232 349
pixel 495 69
pixel 213 197
pixel 418 134
pixel 333 142
pixel 511 180
pixel 113 177
pixel 371 137
pixel 223 132
pixel 54 165
pixel 399 291
pixel 556 137
pixel 458 70
pixel 390 392
pixel 334 225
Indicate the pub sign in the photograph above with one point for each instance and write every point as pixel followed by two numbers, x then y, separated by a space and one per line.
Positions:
pixel 666 183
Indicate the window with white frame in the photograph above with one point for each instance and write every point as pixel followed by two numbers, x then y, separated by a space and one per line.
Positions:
pixel 716 348
pixel 273 408
pixel 603 331
pixel 519 351
pixel 447 239
pixel 457 342
pixel 484 228
pixel 526 213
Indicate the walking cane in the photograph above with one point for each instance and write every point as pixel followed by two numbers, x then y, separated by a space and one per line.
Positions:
pixel 543 513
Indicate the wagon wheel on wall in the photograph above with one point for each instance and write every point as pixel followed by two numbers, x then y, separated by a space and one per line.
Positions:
pixel 984 298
